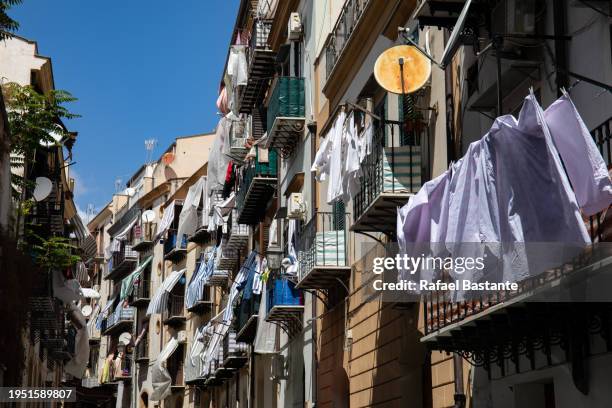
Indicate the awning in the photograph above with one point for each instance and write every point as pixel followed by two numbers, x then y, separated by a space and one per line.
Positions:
pixel 104 313
pixel 160 377
pixel 160 299
pixel 122 235
pixel 128 282
pixel 188 218
pixel 87 243
pixel 90 293
pixel 166 220
pixel 199 280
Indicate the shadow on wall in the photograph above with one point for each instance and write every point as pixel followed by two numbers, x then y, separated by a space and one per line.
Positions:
pixel 17 278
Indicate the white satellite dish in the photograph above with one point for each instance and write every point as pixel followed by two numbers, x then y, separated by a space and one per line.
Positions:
pixel 125 338
pixel 130 191
pixel 86 310
pixel 55 136
pixel 43 188
pixel 148 216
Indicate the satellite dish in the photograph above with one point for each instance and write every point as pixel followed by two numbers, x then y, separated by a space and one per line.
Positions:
pixel 416 69
pixel 453 40
pixel 451 45
pixel 148 216
pixel 168 158
pixel 55 136
pixel 125 338
pixel 86 310
pixel 43 188
pixel 130 191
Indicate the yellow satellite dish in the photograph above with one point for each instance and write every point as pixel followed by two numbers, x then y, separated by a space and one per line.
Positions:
pixel 416 69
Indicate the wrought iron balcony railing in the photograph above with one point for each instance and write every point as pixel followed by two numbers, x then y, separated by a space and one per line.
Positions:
pixel 286 114
pixel 173 248
pixel 142 292
pixel 142 349
pixel 235 353
pixel 120 319
pixel 257 187
pixel 176 367
pixel 390 175
pixel 349 17
pixel 323 251
pixel 144 236
pixel 260 60
pixel 599 225
pixel 246 319
pixel 175 312
pixel 285 304
pixel 122 262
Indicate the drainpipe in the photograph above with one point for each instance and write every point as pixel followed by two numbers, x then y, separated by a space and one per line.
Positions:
pixel 459 393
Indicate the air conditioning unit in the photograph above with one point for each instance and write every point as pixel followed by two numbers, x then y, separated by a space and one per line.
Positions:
pixel 181 337
pixel 296 208
pixel 294 28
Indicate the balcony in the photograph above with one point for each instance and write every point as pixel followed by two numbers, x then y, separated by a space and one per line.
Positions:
pixel 124 371
pixel 257 187
pixel 235 353
pixel 93 334
pixel 323 251
pixel 237 141
pixel 285 305
pixel 119 321
pixel 142 349
pixel 286 114
pixel 174 314
pixel 391 174
pixel 172 250
pixel 438 13
pixel 510 331
pixel 246 321
pixel 221 372
pixel 349 18
pixel 144 237
pixel 237 235
pixel 176 368
pixel 90 382
pixel 201 234
pixel 260 59
pixel 142 292
pixel 227 261
pixel 122 262
pixel 204 300
pixel 600 225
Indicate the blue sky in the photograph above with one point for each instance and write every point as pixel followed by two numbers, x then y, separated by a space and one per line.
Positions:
pixel 140 69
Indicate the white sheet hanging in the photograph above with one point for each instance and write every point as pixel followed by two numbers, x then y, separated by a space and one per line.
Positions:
pixel 237 65
pixel 265 337
pixel 160 377
pixel 352 164
pixel 334 188
pixel 589 175
pixel 188 218
pixel 509 187
pixel 166 220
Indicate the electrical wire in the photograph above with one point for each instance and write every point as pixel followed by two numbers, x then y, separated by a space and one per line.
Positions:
pixel 603 13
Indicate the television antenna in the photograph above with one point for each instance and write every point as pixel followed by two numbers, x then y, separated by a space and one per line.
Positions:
pixel 149 147
pixel 118 183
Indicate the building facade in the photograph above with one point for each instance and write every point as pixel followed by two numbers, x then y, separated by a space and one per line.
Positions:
pixel 236 270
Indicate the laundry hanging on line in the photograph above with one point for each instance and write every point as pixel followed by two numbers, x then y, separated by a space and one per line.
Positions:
pixel 511 187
